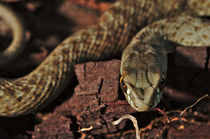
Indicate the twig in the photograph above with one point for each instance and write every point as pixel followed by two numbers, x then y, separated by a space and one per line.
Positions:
pixel 86 129
pixel 134 121
pixel 193 104
pixel 163 113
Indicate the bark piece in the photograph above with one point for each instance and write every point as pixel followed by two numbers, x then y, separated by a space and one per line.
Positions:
pixel 55 126
pixel 96 100
pixel 191 57
pixel 187 77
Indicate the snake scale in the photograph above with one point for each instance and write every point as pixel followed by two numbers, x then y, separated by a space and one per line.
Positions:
pixel 143 62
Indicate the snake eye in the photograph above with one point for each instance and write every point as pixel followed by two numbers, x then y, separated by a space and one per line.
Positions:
pixel 162 82
pixel 123 85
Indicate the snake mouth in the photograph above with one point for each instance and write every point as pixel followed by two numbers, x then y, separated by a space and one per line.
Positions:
pixel 141 99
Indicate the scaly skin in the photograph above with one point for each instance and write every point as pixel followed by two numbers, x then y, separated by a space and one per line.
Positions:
pixel 18 31
pixel 144 60
pixel 107 39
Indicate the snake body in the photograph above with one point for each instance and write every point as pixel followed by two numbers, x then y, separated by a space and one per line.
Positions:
pixel 105 40
pixel 17 45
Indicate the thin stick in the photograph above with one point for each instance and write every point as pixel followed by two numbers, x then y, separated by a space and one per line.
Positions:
pixel 193 104
pixel 86 129
pixel 163 113
pixel 134 121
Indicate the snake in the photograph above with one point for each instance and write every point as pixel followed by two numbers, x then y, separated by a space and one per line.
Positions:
pixel 142 31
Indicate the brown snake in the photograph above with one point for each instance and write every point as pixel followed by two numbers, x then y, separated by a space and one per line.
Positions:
pixel 105 40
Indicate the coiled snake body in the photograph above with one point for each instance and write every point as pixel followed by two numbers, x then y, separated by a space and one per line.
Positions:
pixel 143 61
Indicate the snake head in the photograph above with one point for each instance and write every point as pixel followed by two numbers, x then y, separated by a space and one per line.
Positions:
pixel 143 77
pixel 142 99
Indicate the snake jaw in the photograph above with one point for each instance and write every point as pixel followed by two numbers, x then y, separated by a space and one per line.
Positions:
pixel 141 99
pixel 159 96
pixel 143 104
pixel 135 102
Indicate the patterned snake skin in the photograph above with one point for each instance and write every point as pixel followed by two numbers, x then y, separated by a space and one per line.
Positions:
pixel 107 39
